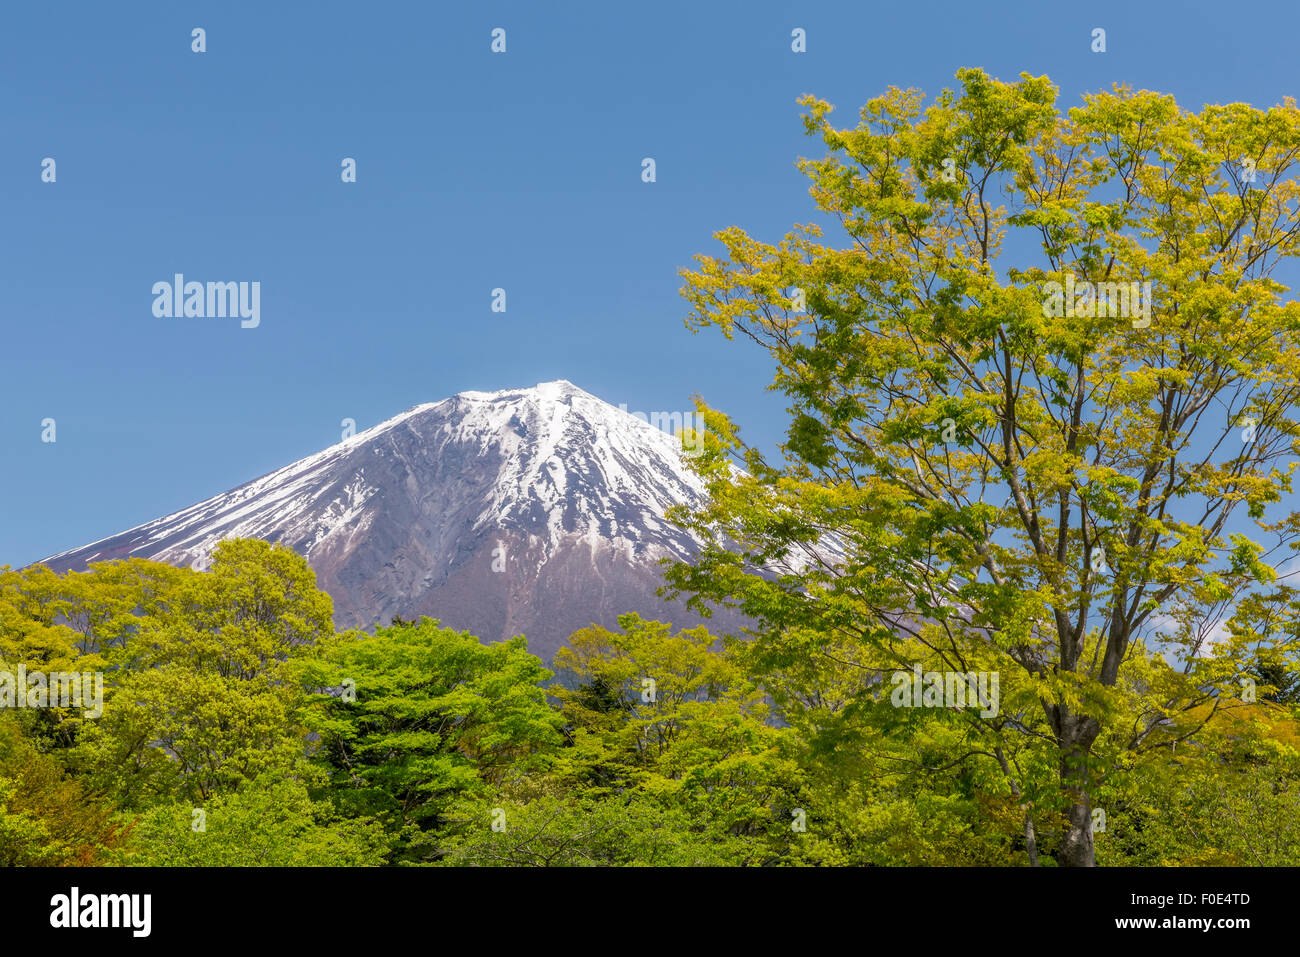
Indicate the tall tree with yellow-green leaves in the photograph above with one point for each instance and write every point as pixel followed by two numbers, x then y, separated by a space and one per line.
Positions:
pixel 1042 388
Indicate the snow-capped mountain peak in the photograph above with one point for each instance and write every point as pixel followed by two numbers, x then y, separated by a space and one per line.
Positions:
pixel 524 510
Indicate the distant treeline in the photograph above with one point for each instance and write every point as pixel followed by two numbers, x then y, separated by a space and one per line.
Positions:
pixel 238 728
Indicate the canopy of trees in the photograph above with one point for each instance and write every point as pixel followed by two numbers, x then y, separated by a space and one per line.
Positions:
pixel 1042 426
pixel 239 729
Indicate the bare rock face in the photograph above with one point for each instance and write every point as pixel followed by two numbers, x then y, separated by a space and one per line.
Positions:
pixel 531 511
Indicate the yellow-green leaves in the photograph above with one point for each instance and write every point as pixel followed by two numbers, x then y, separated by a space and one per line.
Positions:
pixel 1050 370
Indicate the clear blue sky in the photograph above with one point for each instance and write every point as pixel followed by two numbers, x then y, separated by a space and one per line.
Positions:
pixel 475 171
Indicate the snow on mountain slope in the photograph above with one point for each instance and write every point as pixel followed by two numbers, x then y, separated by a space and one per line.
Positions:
pixel 529 510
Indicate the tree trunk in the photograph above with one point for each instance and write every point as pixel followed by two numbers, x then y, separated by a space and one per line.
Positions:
pixel 1031 840
pixel 1076 733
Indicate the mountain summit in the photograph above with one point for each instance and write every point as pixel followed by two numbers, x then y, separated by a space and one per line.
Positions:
pixel 528 511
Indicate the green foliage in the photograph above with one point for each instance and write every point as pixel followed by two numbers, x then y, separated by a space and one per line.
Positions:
pixel 670 719
pixel 199 700
pixel 48 818
pixel 265 823
pixel 983 474
pixel 416 715
pixel 551 832
pixel 229 693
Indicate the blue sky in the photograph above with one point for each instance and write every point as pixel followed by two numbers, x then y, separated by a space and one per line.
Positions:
pixel 475 170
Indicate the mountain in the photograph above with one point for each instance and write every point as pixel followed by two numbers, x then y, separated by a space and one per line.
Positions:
pixel 529 511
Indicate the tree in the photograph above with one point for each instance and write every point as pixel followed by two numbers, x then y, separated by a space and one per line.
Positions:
pixel 617 832
pixel 48 818
pixel 242 619
pixel 1229 797
pixel 1041 405
pixel 416 716
pixel 673 720
pixel 198 699
pixel 265 823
